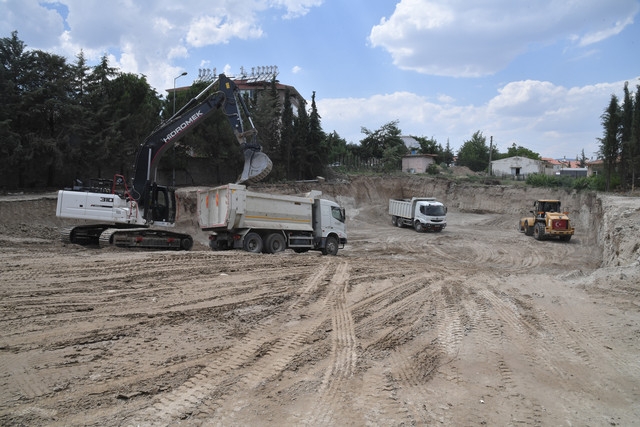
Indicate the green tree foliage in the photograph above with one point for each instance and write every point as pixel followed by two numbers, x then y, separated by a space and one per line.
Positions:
pixel 35 113
pixel 267 111
pixel 626 124
pixel 521 152
pixel 431 146
pixel 474 153
pixel 316 154
pixel 634 144
pixel 610 141
pixel 384 139
pixel 447 154
pixel 288 134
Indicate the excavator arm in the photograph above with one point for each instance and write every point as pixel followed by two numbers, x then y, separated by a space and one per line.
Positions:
pixel 257 164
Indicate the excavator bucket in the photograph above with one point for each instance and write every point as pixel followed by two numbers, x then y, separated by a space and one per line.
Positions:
pixel 257 166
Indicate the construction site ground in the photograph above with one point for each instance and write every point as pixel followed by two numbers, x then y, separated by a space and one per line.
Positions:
pixel 475 325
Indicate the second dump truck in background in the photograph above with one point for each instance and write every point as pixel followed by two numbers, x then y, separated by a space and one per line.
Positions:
pixel 261 222
pixel 421 213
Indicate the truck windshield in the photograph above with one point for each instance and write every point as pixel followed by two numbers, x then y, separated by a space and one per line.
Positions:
pixel 433 210
pixel 337 213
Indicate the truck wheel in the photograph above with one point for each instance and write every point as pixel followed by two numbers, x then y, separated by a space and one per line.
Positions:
pixel 538 231
pixel 330 246
pixel 418 226
pixel 394 221
pixel 399 222
pixel 253 243
pixel 274 243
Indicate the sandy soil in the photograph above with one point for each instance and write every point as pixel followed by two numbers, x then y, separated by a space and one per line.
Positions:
pixel 476 325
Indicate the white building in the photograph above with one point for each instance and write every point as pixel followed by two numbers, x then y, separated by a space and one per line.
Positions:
pixel 516 167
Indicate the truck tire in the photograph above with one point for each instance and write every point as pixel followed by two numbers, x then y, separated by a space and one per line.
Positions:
pixel 253 243
pixel 538 231
pixel 399 222
pixel 274 243
pixel 418 226
pixel 330 246
pixel 394 221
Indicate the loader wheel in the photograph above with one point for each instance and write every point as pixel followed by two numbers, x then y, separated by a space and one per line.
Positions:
pixel 253 243
pixel 538 231
pixel 330 246
pixel 274 243
pixel 528 231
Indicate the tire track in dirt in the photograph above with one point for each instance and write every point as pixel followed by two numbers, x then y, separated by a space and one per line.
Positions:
pixel 500 327
pixel 342 362
pixel 260 355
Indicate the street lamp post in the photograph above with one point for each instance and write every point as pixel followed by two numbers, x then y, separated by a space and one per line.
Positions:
pixel 184 73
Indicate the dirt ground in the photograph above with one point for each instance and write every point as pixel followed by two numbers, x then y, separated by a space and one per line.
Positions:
pixel 476 325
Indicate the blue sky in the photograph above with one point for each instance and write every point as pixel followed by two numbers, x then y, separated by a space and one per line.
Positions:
pixel 538 74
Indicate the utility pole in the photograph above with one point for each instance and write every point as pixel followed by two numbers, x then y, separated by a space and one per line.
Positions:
pixel 490 150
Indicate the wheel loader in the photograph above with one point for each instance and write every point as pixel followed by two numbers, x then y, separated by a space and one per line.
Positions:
pixel 547 221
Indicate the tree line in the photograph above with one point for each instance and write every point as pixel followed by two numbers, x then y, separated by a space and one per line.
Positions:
pixel 620 142
pixel 61 122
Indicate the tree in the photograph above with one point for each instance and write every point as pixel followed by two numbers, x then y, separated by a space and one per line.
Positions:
pixel 474 153
pixel 522 152
pixel 626 123
pixel 430 146
pixel 384 144
pixel 376 142
pixel 610 141
pixel 447 154
pixel 582 160
pixel 267 117
pixel 287 134
pixel 634 145
pixel 316 150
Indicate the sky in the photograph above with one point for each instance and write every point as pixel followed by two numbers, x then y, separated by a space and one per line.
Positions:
pixel 537 74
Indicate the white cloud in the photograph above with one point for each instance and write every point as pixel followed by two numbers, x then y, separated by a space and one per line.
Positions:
pixel 471 39
pixel 296 8
pixel 551 120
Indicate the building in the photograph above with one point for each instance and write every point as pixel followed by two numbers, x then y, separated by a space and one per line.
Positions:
pixel 516 167
pixel 564 167
pixel 417 163
pixel 249 83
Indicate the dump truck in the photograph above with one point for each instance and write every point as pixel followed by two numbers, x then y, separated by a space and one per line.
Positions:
pixel 260 222
pixel 421 213
pixel 547 221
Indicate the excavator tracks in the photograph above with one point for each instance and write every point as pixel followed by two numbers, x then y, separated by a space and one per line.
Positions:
pixel 145 238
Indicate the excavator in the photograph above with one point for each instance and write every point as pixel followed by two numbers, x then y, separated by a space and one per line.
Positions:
pixel 140 215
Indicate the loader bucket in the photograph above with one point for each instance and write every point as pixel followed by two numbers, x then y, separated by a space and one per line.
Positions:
pixel 257 166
